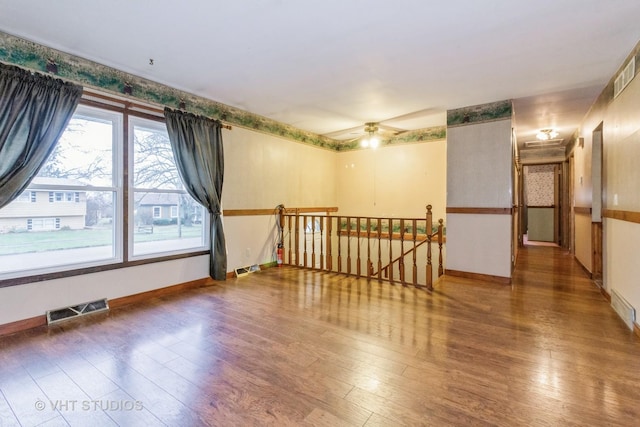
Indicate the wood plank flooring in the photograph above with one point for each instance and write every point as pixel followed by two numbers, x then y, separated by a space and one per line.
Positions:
pixel 286 346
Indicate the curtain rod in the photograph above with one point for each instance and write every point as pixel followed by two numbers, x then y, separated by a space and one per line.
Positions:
pixel 130 104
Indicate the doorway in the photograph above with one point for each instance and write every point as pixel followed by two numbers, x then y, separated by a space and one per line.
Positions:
pixel 596 205
pixel 542 186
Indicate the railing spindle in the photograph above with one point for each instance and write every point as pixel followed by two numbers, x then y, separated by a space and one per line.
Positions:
pixel 429 231
pixel 321 222
pixel 289 231
pixel 297 238
pixel 339 228
pixel 401 262
pixel 348 245
pixel 304 221
pixel 329 262
pixel 390 269
pixel 379 249
pixel 313 242
pixel 369 266
pixel 358 268
pixel 414 228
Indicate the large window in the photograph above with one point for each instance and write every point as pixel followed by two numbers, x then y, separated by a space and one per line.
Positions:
pixel 158 201
pixel 71 216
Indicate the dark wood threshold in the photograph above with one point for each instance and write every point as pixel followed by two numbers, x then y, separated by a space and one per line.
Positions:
pixel 477 276
pixel 34 322
pixel 480 211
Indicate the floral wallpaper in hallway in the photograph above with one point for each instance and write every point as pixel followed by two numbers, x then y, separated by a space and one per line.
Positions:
pixel 539 185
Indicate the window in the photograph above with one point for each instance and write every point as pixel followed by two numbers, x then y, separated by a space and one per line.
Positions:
pixel 79 224
pixel 158 198
pixel 43 224
pixel 80 220
pixel 27 196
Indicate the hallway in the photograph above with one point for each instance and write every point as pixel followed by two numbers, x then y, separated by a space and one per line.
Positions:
pixel 286 346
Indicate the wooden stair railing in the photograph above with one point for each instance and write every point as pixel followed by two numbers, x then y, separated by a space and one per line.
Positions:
pixel 319 242
pixel 416 244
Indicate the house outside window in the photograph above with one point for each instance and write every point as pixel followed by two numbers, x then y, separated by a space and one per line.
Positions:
pixel 158 200
pixel 27 196
pixel 74 207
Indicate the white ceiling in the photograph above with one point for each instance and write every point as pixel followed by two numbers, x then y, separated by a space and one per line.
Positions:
pixel 327 66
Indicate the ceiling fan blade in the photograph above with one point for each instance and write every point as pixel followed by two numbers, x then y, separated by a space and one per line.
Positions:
pixel 391 128
pixel 415 114
pixel 343 131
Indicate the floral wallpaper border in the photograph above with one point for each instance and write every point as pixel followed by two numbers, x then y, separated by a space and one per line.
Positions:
pixel 36 57
pixel 480 113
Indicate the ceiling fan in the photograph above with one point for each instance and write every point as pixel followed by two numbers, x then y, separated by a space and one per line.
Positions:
pixel 381 128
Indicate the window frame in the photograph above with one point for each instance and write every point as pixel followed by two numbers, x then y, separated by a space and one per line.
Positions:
pixel 156 124
pixel 122 197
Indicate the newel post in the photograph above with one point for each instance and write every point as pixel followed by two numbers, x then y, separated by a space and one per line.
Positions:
pixel 429 231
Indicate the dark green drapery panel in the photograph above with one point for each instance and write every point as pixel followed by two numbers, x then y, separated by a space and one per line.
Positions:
pixel 34 112
pixel 197 147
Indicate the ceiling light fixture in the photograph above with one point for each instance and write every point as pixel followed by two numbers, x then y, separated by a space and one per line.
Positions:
pixel 546 134
pixel 370 140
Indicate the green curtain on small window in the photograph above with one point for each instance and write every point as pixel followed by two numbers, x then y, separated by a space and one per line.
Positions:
pixel 34 112
pixel 197 147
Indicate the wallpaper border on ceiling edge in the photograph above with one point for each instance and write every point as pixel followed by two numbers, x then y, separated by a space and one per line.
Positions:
pixel 436 133
pixel 17 51
pixel 482 113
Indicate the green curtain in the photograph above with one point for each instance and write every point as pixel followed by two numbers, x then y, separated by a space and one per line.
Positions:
pixel 34 112
pixel 197 147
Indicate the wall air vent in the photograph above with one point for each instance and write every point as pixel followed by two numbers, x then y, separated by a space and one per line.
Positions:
pixel 60 314
pixel 243 271
pixel 624 77
pixel 543 144
pixel 623 308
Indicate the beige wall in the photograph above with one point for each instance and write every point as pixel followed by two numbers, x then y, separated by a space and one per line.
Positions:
pixel 34 299
pixel 583 240
pixel 261 172
pixel 620 180
pixel 479 244
pixel 393 181
pixel 479 160
pixel 479 157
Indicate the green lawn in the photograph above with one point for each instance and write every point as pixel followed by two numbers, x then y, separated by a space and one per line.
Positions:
pixel 42 241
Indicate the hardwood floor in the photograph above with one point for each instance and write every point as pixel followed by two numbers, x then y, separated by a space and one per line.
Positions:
pixel 286 346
